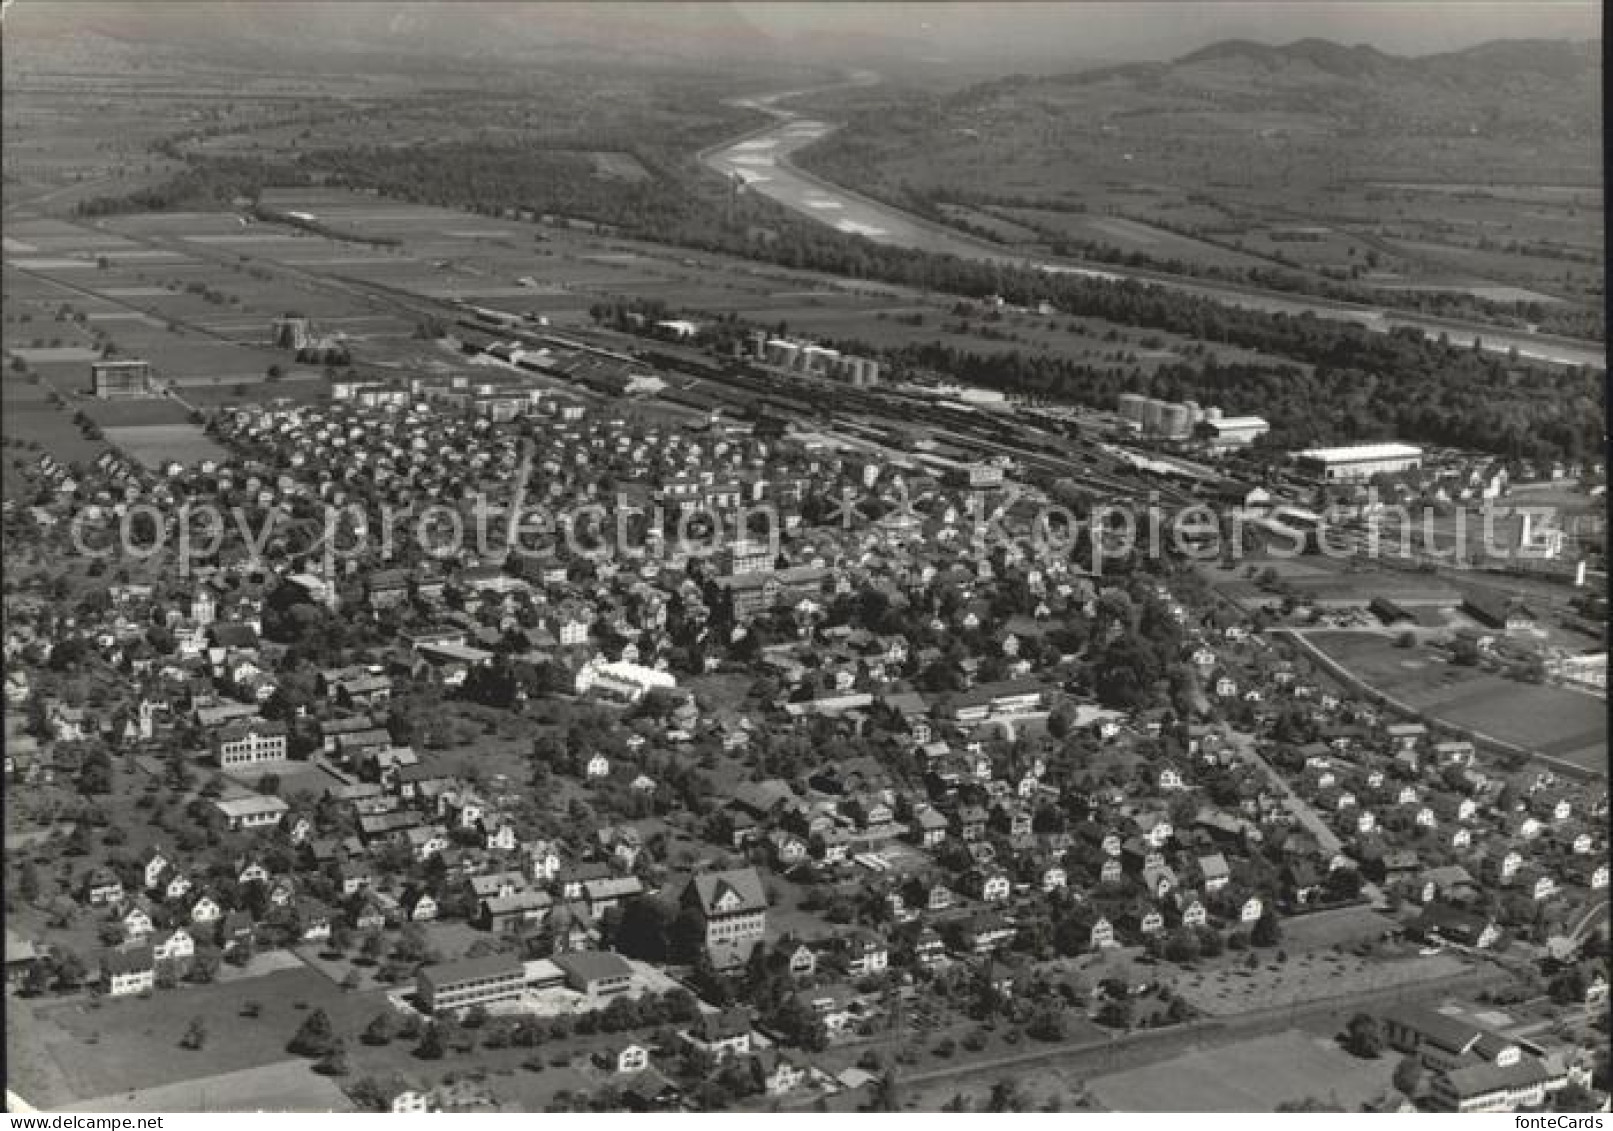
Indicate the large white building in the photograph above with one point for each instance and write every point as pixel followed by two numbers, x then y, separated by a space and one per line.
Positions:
pixel 250 743
pixel 621 680
pixel 1236 431
pixel 1359 461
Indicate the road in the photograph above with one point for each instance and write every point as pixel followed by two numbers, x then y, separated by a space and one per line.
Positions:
pixel 761 159
pixel 1302 810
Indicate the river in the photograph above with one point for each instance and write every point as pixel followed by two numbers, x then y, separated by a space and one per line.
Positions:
pixel 761 160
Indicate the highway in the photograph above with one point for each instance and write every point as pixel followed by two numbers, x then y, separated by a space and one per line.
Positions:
pixel 761 159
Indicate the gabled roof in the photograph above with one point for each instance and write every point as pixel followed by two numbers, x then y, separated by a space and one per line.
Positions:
pixel 711 887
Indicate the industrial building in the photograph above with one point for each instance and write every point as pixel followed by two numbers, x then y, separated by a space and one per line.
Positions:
pixel 1178 420
pixel 1235 431
pixel 815 360
pixel 125 378
pixel 1358 462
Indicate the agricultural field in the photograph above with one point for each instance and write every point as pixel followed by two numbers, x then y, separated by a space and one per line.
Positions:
pixel 1132 236
pixel 1568 725
pixel 1253 1075
pixel 558 273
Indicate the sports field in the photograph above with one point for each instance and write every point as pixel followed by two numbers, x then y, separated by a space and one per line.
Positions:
pixel 1252 1075
pixel 1569 725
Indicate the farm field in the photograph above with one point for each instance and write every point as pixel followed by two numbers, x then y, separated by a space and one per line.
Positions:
pixel 1562 724
pixel 1132 235
pixel 557 273
pixel 1254 1075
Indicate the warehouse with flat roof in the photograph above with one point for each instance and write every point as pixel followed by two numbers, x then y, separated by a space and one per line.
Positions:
pixel 1359 461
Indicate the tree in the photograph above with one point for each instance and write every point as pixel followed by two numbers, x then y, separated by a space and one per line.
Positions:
pixel 28 881
pixel 1117 1013
pixel 1363 1037
pixel 315 1038
pixel 1409 1076
pixel 887 1096
pixel 70 969
pixel 1004 1097
pixel 1267 932
pixel 334 1062
pixel 431 1046
pixel 195 1035
pixel 1047 1024
pixel 379 1030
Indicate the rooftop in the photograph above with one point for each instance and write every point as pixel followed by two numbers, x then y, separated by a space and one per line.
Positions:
pixel 1363 453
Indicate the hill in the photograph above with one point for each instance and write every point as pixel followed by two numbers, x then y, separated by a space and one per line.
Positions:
pixel 1459 178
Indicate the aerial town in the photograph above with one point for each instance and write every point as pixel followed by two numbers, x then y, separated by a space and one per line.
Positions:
pixel 551 698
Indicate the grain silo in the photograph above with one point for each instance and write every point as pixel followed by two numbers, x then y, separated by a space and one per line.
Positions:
pixel 1153 415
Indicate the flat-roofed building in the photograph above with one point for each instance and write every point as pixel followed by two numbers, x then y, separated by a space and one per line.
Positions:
pixel 1235 431
pixel 1359 461
pixel 449 986
pixel 597 972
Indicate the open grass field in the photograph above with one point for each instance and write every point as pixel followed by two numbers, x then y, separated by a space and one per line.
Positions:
pixel 156 444
pixel 1254 1075
pixel 124 1045
pixel 1564 724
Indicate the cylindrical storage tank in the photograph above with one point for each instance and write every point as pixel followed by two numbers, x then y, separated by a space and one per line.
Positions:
pixel 1194 412
pixel 1153 414
pixel 1131 406
pixel 1212 413
pixel 1176 421
pixel 870 371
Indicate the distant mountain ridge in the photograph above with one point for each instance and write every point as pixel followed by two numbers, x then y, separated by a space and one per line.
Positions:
pixel 1544 56
pixel 1517 89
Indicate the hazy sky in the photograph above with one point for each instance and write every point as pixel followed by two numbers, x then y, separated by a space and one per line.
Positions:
pixel 1154 30
pixel 990 34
